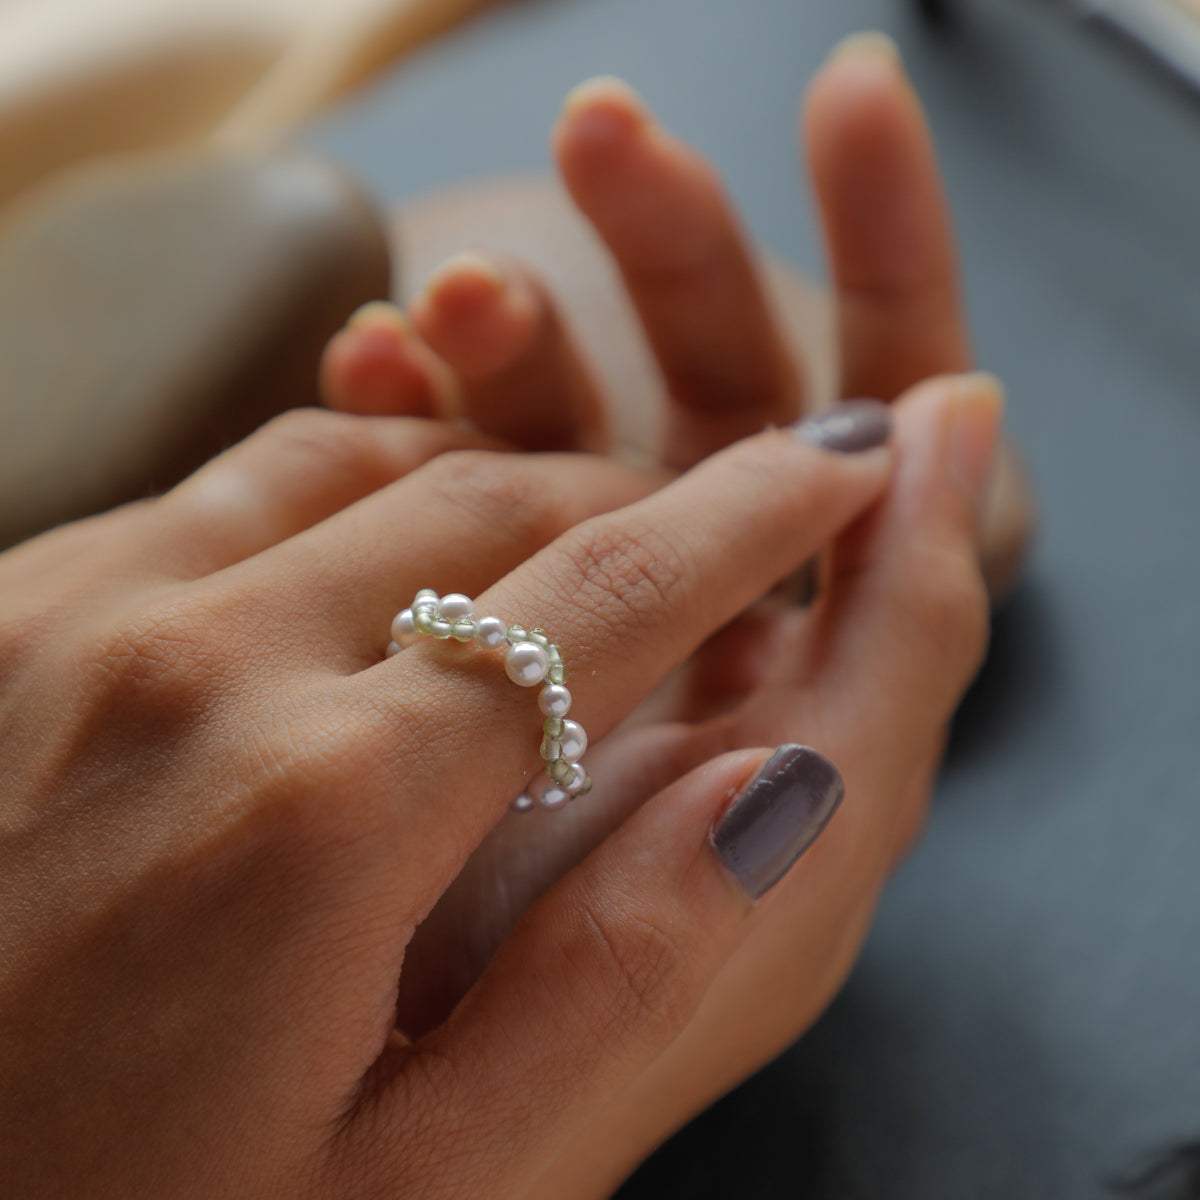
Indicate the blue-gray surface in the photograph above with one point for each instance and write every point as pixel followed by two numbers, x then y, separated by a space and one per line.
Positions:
pixel 1026 1018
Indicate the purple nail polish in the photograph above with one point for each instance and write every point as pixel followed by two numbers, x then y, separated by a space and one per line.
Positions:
pixel 777 817
pixel 850 427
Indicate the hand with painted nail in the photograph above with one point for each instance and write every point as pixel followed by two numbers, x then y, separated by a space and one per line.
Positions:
pixel 536 342
pixel 225 811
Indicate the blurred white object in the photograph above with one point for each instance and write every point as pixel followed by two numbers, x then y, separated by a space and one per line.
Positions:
pixel 1169 30
pixel 86 78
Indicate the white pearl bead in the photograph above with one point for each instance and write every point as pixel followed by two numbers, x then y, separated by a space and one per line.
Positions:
pixel 491 632
pixel 554 797
pixel 526 663
pixel 522 804
pixel 402 626
pixel 393 648
pixel 574 740
pixel 555 700
pixel 578 782
pixel 455 607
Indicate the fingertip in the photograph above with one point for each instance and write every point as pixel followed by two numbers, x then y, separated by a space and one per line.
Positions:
pixel 374 367
pixel 377 314
pixel 477 313
pixel 861 97
pixel 600 118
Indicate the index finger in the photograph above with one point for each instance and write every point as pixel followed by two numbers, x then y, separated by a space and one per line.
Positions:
pixel 627 595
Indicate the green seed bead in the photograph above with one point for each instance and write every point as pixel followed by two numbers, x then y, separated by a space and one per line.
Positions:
pixel 439 627
pixel 517 634
pixel 553 653
pixel 464 630
pixel 426 594
pixel 557 673
pixel 539 636
pixel 423 619
pixel 553 727
pixel 551 749
pixel 560 770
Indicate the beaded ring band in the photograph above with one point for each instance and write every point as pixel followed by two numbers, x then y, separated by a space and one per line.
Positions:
pixel 530 658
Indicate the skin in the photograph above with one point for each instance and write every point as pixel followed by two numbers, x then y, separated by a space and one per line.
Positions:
pixel 533 342
pixel 226 817
pixel 724 364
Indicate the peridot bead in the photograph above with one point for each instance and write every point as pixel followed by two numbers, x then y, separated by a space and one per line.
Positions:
pixel 553 727
pixel 551 749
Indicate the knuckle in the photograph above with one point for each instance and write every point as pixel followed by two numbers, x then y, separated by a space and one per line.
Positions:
pixel 488 488
pixel 326 442
pixel 629 575
pixel 163 661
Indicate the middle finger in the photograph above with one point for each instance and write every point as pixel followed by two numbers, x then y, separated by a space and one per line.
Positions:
pixel 662 212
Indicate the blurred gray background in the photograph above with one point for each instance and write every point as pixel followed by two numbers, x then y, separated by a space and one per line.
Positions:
pixel 1026 1019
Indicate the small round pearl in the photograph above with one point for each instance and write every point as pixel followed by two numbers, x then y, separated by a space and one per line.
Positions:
pixel 555 700
pixel 526 663
pixel 402 626
pixel 393 648
pixel 574 740
pixel 522 804
pixel 491 632
pixel 579 782
pixel 554 797
pixel 456 607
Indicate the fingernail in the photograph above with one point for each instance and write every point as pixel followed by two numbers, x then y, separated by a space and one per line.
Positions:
pixel 376 313
pixel 851 427
pixel 586 93
pixel 975 429
pixel 777 817
pixel 870 42
pixel 468 262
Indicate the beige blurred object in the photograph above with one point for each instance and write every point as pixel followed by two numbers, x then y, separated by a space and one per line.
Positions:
pixel 85 78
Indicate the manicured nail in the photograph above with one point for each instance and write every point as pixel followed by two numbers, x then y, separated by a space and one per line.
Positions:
pixel 376 313
pixel 871 42
pixel 777 817
pixel 849 428
pixel 586 93
pixel 975 430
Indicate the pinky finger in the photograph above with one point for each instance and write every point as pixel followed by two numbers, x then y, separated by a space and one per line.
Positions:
pixel 379 366
pixel 523 378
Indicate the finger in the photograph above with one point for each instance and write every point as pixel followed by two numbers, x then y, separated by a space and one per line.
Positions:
pixel 379 366
pixel 887 223
pixel 604 971
pixel 522 377
pixel 627 596
pixel 906 614
pixel 663 213
pixel 287 476
pixel 458 523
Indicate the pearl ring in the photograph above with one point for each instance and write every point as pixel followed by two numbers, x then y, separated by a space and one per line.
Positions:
pixel 530 658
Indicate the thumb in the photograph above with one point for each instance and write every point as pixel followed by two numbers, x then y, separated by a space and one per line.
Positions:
pixel 603 972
